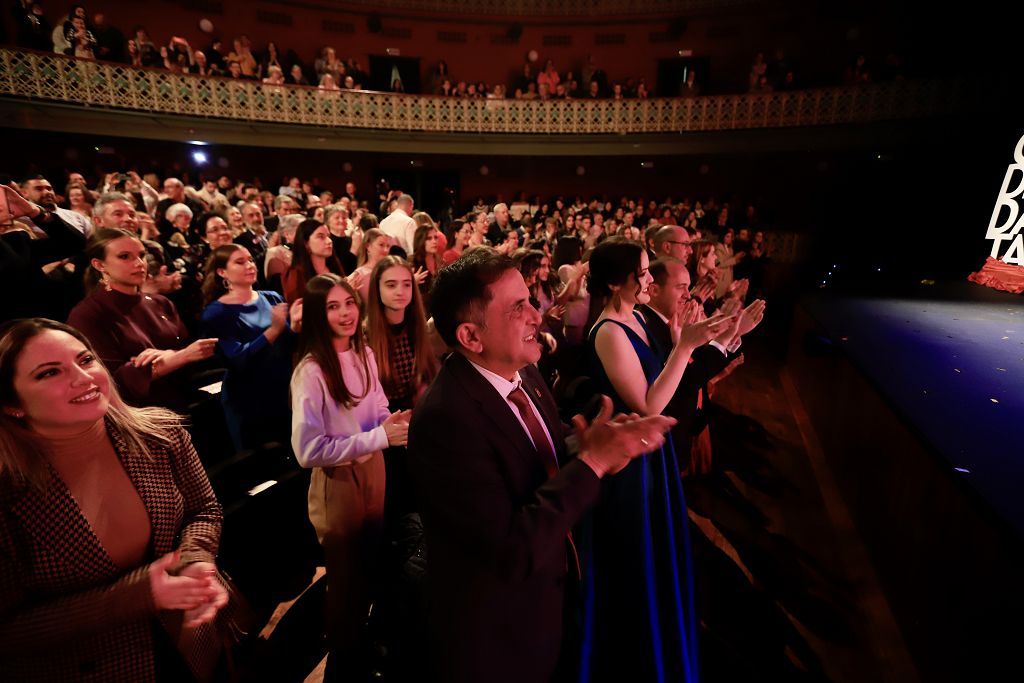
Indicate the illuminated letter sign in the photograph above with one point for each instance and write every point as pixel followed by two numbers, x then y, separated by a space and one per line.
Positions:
pixel 1008 230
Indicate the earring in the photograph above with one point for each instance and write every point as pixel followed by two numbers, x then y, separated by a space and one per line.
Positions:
pixel 227 285
pixel 17 413
pixel 106 282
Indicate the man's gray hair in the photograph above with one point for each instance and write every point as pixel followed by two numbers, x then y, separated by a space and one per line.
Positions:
pixel 108 198
pixel 405 199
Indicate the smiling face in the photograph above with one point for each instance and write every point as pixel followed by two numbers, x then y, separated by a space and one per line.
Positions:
pixel 124 264
pixel 480 225
pixel 667 297
pixel 240 270
pixel 235 219
pixel 217 232
pixel 462 236
pixel 61 387
pixel 342 314
pixel 636 290
pixel 252 214
pixel 507 340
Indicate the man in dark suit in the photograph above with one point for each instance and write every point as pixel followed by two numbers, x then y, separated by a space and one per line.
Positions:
pixel 498 494
pixel 670 295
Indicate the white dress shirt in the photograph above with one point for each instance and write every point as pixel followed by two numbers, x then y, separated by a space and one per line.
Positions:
pixel 504 388
pixel 401 228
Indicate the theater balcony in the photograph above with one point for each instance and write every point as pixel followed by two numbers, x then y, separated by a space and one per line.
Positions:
pixel 45 91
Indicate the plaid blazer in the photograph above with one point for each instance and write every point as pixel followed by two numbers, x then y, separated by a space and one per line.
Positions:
pixel 67 612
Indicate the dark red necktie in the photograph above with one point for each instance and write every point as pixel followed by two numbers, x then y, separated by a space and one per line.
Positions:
pixel 540 440
pixel 533 425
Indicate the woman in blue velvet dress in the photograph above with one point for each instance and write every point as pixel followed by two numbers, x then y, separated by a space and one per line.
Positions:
pixel 639 621
pixel 256 333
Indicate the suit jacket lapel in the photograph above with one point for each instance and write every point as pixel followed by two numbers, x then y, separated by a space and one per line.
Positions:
pixel 493 406
pixel 143 470
pixel 661 336
pixel 498 411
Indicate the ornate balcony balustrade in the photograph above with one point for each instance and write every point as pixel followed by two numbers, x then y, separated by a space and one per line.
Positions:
pixel 56 78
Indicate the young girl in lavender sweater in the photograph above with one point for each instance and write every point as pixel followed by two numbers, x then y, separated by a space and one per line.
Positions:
pixel 340 426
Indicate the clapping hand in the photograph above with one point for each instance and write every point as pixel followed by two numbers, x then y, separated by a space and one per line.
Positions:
pixel 705 287
pixel 166 283
pixel 698 334
pixel 608 445
pixel 738 289
pixel 356 279
pixel 182 592
pixel 421 275
pixel 554 314
pixel 279 317
pixel 396 426
pixel 205 612
pixel 751 317
pixel 295 313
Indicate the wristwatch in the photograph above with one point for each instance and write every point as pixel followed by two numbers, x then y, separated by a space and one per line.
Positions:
pixel 44 215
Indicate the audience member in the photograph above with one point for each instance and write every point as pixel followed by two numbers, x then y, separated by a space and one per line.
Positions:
pixel 312 254
pixel 340 426
pixel 255 339
pixel 139 337
pixel 400 226
pixel 118 498
pixel 635 532
pixel 499 501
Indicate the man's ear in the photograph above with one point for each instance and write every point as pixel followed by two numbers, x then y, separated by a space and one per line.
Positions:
pixel 468 337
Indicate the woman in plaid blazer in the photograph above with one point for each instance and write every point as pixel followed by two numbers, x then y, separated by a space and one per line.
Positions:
pixel 108 524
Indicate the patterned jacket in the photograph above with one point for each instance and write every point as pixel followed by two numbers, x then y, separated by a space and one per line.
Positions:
pixel 67 612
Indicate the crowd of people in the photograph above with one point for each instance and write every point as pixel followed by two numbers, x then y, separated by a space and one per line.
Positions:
pixel 421 370
pixel 79 35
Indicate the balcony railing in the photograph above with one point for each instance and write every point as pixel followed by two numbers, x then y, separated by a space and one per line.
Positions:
pixel 56 78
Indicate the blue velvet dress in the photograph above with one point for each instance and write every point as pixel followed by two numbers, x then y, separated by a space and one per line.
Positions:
pixel 638 620
pixel 255 388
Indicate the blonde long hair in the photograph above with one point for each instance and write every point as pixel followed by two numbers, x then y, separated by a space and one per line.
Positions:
pixel 22 451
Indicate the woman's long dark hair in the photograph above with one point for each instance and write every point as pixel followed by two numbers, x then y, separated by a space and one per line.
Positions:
pixel 302 259
pixel 611 263
pixel 568 250
pixel 316 339
pixel 378 330
pixel 213 284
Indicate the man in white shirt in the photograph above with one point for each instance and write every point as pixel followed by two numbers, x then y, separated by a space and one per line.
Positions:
pixel 400 226
pixel 38 189
pixel 498 490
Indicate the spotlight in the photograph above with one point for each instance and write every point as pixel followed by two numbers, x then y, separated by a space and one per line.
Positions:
pixel 199 157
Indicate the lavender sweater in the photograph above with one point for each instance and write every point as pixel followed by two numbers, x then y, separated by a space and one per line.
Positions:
pixel 326 434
